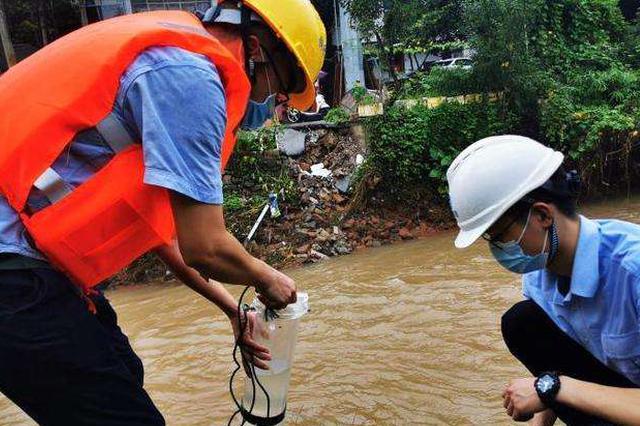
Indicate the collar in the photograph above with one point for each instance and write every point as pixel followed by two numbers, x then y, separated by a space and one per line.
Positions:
pixel 585 275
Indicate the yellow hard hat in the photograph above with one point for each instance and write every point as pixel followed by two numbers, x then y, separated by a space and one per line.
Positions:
pixel 298 25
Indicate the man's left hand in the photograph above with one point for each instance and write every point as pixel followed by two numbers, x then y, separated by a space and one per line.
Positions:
pixel 521 399
pixel 253 352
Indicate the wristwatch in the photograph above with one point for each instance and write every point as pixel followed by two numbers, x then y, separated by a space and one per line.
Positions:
pixel 547 386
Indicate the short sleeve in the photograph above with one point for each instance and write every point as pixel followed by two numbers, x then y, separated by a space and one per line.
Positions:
pixel 178 108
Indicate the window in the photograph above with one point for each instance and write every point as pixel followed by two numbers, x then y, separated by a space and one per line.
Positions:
pixel 188 5
pixel 98 10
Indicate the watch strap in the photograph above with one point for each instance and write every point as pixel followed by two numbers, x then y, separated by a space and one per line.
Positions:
pixel 548 397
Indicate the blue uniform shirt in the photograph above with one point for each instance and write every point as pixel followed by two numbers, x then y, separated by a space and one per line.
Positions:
pixel 174 103
pixel 600 311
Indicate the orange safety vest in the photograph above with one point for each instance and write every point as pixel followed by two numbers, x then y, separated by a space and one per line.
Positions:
pixel 70 86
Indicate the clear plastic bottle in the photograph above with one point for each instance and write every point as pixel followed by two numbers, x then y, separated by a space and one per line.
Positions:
pixel 278 333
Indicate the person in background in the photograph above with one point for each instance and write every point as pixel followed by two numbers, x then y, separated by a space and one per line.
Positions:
pixel 578 329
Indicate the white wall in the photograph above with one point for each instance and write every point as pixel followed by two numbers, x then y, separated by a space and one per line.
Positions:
pixel 351 49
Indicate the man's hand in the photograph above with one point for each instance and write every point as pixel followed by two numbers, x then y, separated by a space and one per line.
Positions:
pixel 276 290
pixel 521 400
pixel 207 246
pixel 252 351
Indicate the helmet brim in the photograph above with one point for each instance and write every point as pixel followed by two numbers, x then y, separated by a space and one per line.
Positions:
pixel 467 238
pixel 304 100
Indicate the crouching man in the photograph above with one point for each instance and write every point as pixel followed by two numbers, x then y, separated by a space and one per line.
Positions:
pixel 578 329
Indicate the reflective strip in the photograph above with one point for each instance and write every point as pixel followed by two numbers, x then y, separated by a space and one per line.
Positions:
pixel 114 133
pixel 52 185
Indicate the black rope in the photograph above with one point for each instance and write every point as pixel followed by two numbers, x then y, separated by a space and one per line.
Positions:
pixel 251 370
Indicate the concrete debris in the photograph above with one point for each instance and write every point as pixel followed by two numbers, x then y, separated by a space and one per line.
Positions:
pixel 291 142
pixel 319 170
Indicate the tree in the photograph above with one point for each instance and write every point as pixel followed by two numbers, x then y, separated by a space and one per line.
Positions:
pixel 38 22
pixel 7 46
pixel 407 25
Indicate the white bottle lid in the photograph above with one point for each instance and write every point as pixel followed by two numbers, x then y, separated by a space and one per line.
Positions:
pixel 291 311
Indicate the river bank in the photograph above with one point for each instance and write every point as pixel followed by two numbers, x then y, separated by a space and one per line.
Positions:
pixel 326 207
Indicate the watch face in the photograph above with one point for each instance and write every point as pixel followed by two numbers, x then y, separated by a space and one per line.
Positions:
pixel 545 383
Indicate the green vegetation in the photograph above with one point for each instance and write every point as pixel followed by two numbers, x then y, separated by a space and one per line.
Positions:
pixel 567 74
pixel 337 115
pixel 414 147
pixel 258 171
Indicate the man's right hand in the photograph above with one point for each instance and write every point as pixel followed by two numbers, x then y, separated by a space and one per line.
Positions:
pixel 207 246
pixel 275 289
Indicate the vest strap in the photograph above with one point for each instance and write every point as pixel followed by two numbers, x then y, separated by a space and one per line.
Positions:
pixel 114 133
pixel 52 185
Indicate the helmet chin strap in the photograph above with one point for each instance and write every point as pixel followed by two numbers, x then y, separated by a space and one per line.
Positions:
pixel 245 21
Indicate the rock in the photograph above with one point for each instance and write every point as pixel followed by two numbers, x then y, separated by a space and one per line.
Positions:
pixel 291 142
pixel 323 235
pixel 336 230
pixel 343 184
pixel 359 159
pixel 319 170
pixel 318 255
pixel 304 166
pixel 341 247
pixel 303 249
pixel 325 196
pixel 405 233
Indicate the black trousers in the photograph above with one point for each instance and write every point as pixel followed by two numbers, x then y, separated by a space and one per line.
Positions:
pixel 540 345
pixel 63 365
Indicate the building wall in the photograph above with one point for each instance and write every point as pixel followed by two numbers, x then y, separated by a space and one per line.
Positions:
pixel 351 43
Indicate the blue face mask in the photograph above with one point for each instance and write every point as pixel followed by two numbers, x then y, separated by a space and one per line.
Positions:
pixel 511 256
pixel 257 113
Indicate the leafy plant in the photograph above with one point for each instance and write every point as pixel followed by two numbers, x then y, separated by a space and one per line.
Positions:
pixel 260 140
pixel 414 147
pixel 337 115
pixel 234 202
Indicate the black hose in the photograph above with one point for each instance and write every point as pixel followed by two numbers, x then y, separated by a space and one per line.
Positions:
pixel 242 311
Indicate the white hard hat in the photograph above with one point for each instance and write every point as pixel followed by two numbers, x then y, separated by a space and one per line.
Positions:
pixel 491 175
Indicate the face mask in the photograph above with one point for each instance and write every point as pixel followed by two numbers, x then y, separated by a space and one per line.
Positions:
pixel 257 113
pixel 511 256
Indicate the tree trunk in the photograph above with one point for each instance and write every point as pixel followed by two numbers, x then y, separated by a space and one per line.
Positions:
pixel 42 23
pixel 84 19
pixel 7 47
pixel 396 83
pixel 387 56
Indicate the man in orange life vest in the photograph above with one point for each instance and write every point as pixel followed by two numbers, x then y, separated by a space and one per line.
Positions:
pixel 113 140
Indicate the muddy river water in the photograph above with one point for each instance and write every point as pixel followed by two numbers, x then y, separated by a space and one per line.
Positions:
pixel 400 335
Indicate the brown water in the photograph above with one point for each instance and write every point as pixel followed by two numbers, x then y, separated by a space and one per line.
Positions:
pixel 399 335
